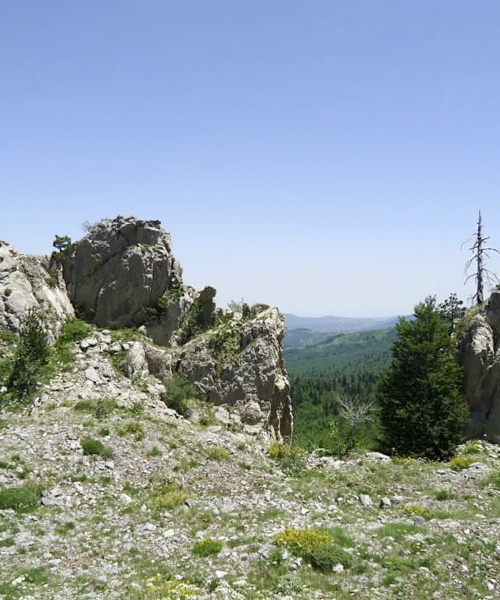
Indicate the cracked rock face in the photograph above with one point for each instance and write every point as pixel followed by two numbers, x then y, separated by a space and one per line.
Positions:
pixel 28 282
pixel 240 363
pixel 119 270
pixel 480 357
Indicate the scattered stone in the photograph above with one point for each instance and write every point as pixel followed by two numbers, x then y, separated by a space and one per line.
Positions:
pixel 365 500
pixel 377 457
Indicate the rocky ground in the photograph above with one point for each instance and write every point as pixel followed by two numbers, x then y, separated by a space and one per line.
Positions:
pixel 106 493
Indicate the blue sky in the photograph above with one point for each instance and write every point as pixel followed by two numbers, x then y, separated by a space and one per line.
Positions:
pixel 326 156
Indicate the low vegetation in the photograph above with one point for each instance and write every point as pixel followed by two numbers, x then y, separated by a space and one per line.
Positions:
pixel 19 499
pixel 91 446
pixel 178 394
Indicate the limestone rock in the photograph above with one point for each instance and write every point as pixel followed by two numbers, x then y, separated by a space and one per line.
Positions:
pixel 28 282
pixel 122 268
pixel 480 357
pixel 240 363
pixel 123 274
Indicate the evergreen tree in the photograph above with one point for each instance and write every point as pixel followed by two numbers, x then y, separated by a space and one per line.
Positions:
pixel 31 355
pixel 423 412
pixel 452 310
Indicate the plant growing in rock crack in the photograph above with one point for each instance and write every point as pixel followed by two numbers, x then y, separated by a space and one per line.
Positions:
pixel 178 394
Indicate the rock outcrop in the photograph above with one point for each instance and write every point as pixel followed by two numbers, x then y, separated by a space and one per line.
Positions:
pixel 28 282
pixel 122 274
pixel 240 363
pixel 480 357
pixel 120 270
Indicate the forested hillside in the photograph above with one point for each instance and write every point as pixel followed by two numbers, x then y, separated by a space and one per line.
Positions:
pixel 344 365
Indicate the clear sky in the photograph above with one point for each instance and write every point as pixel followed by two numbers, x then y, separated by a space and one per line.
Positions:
pixel 326 156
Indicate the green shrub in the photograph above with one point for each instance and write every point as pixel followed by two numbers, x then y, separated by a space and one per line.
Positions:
pixel 316 547
pixel 461 462
pixel 217 454
pixel 121 363
pixel 178 392
pixel 155 451
pixel 132 428
pixel 207 547
pixel 471 447
pixel 36 575
pixel 91 446
pixel 193 323
pixel 100 408
pixel 292 459
pixel 20 499
pixel 416 510
pixel 443 495
pixel 74 330
pixel 168 501
pixel 289 584
pixel 31 356
pixel 301 540
pixel 325 556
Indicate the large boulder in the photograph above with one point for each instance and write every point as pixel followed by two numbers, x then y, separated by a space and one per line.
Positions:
pixel 29 282
pixel 117 274
pixel 480 357
pixel 239 362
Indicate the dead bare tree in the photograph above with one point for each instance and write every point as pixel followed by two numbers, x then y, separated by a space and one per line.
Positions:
pixel 353 410
pixel 479 255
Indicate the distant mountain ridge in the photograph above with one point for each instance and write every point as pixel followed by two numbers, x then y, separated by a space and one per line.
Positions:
pixel 303 332
pixel 331 323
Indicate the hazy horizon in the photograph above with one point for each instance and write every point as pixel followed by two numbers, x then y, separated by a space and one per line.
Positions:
pixel 326 157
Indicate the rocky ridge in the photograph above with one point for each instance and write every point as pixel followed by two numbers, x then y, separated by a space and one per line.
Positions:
pixel 123 274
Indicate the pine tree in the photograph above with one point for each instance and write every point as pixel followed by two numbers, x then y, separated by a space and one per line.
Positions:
pixel 32 354
pixel 423 412
pixel 452 310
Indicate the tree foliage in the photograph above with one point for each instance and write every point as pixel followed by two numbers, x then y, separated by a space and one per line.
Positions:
pixel 452 310
pixel 32 355
pixel 422 409
pixel 62 243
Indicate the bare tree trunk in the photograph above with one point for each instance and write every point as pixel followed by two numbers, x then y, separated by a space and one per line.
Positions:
pixel 479 254
pixel 480 289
